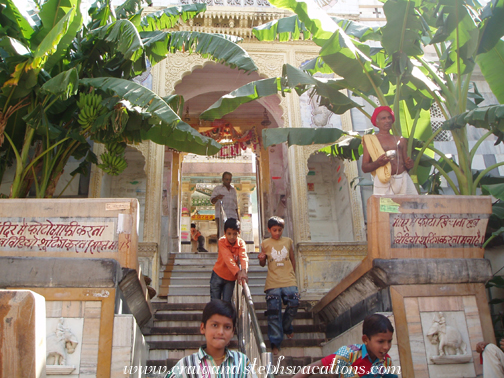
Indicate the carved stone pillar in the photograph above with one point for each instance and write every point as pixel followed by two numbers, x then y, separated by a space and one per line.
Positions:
pixel 351 172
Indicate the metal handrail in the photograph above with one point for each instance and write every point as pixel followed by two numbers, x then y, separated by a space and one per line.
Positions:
pixel 222 219
pixel 250 340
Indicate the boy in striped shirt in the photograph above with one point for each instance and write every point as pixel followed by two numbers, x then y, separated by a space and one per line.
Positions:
pixel 214 359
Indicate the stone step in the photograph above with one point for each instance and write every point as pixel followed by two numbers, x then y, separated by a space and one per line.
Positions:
pixel 196 323
pixel 201 338
pixel 189 290
pixel 206 268
pixel 202 255
pixel 181 345
pixel 204 258
pixel 298 330
pixel 163 306
pixel 194 344
pixel 197 316
pixel 204 279
pixel 203 298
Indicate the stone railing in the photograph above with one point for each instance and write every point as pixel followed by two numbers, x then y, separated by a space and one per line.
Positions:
pixel 322 265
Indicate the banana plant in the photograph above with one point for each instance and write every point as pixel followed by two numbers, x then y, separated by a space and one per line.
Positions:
pixel 398 74
pixel 66 80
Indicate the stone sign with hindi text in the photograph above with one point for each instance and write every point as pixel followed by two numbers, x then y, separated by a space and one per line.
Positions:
pixel 436 230
pixel 427 226
pixel 71 228
pixel 55 234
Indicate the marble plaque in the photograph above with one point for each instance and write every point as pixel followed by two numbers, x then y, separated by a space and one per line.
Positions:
pixel 88 235
pixel 456 320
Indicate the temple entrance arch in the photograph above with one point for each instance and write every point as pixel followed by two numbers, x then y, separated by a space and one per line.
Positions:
pixel 262 181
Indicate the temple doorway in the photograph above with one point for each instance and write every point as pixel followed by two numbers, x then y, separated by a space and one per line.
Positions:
pixel 200 175
pixel 259 175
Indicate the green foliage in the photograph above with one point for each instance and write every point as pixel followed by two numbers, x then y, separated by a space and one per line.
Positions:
pixel 497 316
pixel 398 75
pixel 64 83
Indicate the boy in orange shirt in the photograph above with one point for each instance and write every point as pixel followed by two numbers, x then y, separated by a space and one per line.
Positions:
pixel 226 270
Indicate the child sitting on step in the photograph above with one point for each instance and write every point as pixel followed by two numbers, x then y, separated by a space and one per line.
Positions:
pixel 214 359
pixel 367 360
pixel 197 237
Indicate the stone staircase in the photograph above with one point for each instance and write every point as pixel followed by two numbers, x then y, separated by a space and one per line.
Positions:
pixel 184 291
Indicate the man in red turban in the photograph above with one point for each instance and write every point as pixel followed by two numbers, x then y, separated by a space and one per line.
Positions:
pixel 385 156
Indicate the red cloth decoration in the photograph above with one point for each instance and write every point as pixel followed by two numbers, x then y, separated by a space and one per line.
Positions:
pixel 380 109
pixel 239 142
pixel 328 360
pixel 363 366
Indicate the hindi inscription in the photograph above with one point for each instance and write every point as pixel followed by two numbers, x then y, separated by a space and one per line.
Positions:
pixel 58 234
pixel 437 230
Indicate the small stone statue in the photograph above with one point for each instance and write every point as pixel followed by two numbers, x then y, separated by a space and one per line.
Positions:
pixel 60 343
pixel 451 348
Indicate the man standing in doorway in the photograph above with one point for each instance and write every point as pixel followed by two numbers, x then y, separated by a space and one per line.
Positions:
pixel 227 193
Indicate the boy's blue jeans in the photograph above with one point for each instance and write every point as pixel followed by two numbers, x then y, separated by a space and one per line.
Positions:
pixel 221 288
pixel 279 325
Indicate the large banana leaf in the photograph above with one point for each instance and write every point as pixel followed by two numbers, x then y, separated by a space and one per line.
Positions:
pixel 167 127
pixel 291 28
pixel 457 26
pixel 130 8
pixel 487 117
pixel 348 147
pixel 49 43
pixel 301 136
pixel 169 17
pixel 493 27
pixel 402 32
pixel 137 95
pixel 316 20
pixel 183 138
pixel 283 29
pixel 123 37
pixel 219 48
pixel 350 59
pixel 62 85
pixel 327 89
pixel 22 24
pixel 496 190
pixel 25 74
pixel 101 14
pixel 492 67
pixel 247 93
pixel 54 7
pixel 316 65
pixel 339 52
pixel 360 31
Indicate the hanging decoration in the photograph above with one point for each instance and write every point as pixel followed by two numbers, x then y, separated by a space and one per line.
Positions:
pixel 233 143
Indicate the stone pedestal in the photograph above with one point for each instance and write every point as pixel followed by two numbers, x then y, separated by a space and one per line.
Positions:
pixel 81 256
pixel 23 334
pixel 424 265
pixel 82 297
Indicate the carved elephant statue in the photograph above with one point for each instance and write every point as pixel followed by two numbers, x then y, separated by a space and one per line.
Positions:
pixel 448 339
